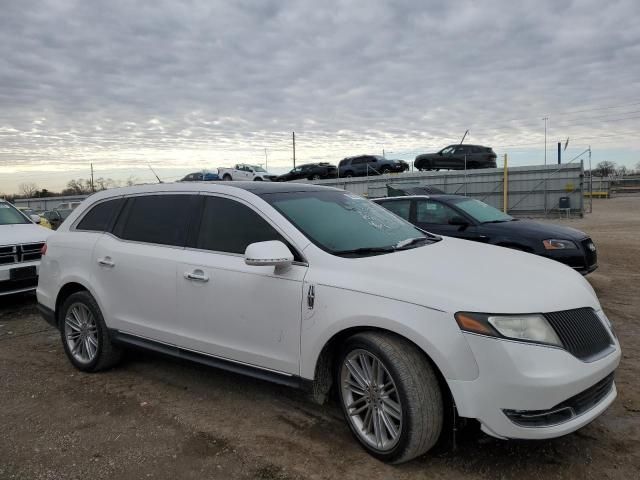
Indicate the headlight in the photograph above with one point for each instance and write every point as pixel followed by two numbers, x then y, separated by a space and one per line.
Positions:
pixel 601 315
pixel 556 244
pixel 528 328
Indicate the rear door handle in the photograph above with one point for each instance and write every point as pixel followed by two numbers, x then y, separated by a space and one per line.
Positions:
pixel 196 276
pixel 106 262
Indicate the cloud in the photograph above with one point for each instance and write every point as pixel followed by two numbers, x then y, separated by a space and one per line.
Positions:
pixel 117 82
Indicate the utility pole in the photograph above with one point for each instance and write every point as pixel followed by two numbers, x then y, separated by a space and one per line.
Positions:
pixel 93 188
pixel 294 149
pixel 545 139
pixel 266 160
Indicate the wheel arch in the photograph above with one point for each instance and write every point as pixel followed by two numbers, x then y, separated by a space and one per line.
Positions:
pixel 325 365
pixel 68 289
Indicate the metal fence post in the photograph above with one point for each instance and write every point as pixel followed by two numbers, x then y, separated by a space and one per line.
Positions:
pixel 505 188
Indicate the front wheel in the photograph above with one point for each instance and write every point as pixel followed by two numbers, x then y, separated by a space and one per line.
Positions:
pixel 226 177
pixel 390 396
pixel 257 179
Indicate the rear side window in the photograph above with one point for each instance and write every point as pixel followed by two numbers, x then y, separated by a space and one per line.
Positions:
pixel 402 208
pixel 99 218
pixel 428 211
pixel 229 226
pixel 161 219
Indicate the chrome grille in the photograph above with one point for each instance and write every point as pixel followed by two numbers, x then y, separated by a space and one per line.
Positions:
pixel 27 252
pixel 581 331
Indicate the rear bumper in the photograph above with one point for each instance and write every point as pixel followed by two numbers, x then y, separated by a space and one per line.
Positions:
pixel 48 315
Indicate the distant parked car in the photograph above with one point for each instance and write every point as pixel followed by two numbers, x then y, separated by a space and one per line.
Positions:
pixel 310 171
pixel 453 158
pixel 246 172
pixel 471 219
pixel 204 176
pixel 363 165
pixel 53 217
pixel 64 213
pixel 32 214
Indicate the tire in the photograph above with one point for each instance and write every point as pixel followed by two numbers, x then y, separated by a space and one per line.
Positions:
pixel 72 316
pixel 385 170
pixel 257 179
pixel 410 382
pixel 348 174
pixel 315 177
pixel 226 177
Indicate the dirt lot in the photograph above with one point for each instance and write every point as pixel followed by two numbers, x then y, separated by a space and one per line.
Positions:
pixel 158 418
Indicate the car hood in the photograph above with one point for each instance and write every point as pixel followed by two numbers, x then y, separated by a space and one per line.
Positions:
pixel 457 275
pixel 23 233
pixel 537 230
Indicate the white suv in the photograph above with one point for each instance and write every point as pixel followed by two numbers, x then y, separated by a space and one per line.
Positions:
pixel 21 242
pixel 318 288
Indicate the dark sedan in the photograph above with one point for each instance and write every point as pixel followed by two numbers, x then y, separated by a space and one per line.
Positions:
pixel 471 219
pixel 310 171
pixel 457 157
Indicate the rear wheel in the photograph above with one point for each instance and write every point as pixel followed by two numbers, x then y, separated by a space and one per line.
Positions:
pixel 226 177
pixel 315 177
pixel 385 170
pixel 85 336
pixel 257 179
pixel 390 396
pixel 348 174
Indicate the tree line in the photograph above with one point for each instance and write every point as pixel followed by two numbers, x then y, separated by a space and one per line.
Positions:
pixel 76 186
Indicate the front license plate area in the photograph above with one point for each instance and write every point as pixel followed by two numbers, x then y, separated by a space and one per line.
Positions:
pixel 23 273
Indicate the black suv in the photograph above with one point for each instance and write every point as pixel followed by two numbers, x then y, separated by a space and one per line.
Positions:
pixel 310 171
pixel 453 158
pixel 363 165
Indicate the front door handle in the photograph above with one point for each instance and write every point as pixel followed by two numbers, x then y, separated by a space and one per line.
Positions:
pixel 196 276
pixel 106 262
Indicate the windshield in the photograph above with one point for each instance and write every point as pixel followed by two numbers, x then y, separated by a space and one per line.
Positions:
pixel 341 222
pixel 482 212
pixel 258 169
pixel 9 215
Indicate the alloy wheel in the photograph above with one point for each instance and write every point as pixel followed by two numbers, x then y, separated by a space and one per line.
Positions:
pixel 81 333
pixel 371 400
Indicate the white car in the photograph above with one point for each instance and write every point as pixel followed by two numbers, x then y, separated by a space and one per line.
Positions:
pixel 245 172
pixel 318 288
pixel 21 242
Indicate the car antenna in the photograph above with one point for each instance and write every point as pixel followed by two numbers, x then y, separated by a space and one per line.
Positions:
pixel 159 181
pixel 463 137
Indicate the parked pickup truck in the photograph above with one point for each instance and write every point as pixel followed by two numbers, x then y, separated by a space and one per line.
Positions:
pixel 245 172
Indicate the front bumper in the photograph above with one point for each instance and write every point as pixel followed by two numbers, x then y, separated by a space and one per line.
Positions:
pixel 9 286
pixel 530 378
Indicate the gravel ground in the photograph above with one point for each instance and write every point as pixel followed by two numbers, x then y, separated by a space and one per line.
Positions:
pixel 158 418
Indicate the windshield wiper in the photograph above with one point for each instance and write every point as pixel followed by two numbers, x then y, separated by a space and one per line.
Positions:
pixel 410 241
pixel 497 221
pixel 365 250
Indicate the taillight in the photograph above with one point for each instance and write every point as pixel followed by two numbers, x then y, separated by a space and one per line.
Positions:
pixel 43 250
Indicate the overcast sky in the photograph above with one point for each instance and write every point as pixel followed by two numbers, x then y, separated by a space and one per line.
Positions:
pixel 201 84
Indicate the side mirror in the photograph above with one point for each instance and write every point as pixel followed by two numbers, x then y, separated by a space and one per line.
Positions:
pixel 458 221
pixel 35 218
pixel 273 252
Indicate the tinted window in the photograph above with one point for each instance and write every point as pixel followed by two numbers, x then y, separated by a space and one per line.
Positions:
pixel 229 226
pixel 399 207
pixel 358 161
pixel 100 216
pixel 428 211
pixel 162 219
